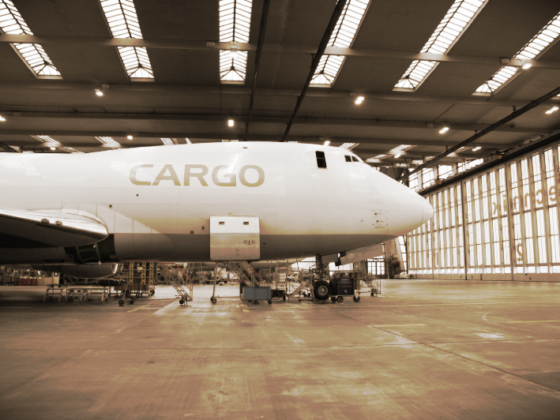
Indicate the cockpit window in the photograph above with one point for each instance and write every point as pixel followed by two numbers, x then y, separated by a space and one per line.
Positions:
pixel 355 159
pixel 321 160
pixel 348 158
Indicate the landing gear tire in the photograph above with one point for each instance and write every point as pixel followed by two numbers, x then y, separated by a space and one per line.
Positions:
pixel 321 290
pixel 181 302
pixel 256 302
pixel 121 302
pixel 213 300
pixel 270 302
pixel 340 299
pixel 356 298
pixel 131 302
pixel 372 293
pixel 284 298
pixel 333 299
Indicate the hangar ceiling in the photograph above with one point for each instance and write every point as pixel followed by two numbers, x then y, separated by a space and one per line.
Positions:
pixel 186 99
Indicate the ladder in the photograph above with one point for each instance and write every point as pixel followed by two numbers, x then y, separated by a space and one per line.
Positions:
pixel 173 276
pixel 245 273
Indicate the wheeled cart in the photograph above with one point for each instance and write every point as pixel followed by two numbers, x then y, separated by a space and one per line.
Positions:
pixel 254 294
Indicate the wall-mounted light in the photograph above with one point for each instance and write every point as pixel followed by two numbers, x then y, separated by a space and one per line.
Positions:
pixel 52 148
pixel 359 100
pixel 476 149
pixel 129 137
pixel 230 123
pixel 444 130
pixel 98 92
pixel 2 119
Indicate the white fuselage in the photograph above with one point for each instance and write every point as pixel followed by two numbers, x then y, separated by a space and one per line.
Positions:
pixel 157 201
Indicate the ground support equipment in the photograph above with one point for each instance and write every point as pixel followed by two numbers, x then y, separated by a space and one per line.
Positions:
pixel 175 276
pixel 55 291
pixel 100 292
pixel 76 294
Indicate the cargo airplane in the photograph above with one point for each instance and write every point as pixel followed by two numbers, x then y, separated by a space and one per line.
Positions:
pixel 232 201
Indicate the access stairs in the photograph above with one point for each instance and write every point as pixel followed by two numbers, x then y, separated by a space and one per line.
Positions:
pixel 176 276
pixel 245 273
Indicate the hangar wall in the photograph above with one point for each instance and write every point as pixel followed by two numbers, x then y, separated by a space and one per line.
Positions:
pixel 500 224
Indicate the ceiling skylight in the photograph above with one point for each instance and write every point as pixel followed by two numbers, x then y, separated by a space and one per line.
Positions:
pixel 49 142
pixel 343 36
pixel 34 56
pixel 167 141
pixel 454 24
pixel 235 25
pixel 108 141
pixel 123 22
pixel 531 51
pixel 400 149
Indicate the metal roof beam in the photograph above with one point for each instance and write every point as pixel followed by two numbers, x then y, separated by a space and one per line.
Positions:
pixel 76 114
pixel 184 90
pixel 493 127
pixel 274 48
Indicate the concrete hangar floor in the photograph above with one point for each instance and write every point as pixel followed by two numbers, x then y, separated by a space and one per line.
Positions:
pixel 421 350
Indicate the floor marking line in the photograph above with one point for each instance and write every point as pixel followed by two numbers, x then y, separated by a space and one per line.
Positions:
pixel 399 325
pixel 140 307
pixel 530 322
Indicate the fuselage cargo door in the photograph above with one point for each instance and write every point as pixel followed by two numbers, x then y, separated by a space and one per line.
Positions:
pixel 234 238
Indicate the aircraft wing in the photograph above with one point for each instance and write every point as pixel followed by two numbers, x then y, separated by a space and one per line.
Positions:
pixel 37 228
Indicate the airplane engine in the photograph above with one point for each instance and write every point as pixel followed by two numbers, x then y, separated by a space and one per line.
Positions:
pixel 85 271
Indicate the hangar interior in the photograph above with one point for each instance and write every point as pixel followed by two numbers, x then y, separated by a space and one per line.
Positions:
pixel 109 74
pixel 457 99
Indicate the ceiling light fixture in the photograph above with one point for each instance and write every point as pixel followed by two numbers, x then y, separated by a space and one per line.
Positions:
pixel 230 123
pixel 359 100
pixel 397 156
pixel 129 137
pixel 526 66
pixel 531 51
pixel 454 24
pixel 327 142
pixel 550 111
pixel 343 36
pixel 476 149
pixel 2 119
pixel 444 130
pixel 98 92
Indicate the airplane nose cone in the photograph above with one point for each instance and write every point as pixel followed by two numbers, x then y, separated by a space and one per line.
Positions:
pixel 427 210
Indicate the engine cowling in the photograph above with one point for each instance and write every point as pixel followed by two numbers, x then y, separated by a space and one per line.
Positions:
pixel 86 271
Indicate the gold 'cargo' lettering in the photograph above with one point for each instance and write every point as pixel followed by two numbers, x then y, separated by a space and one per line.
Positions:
pixel 222 175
